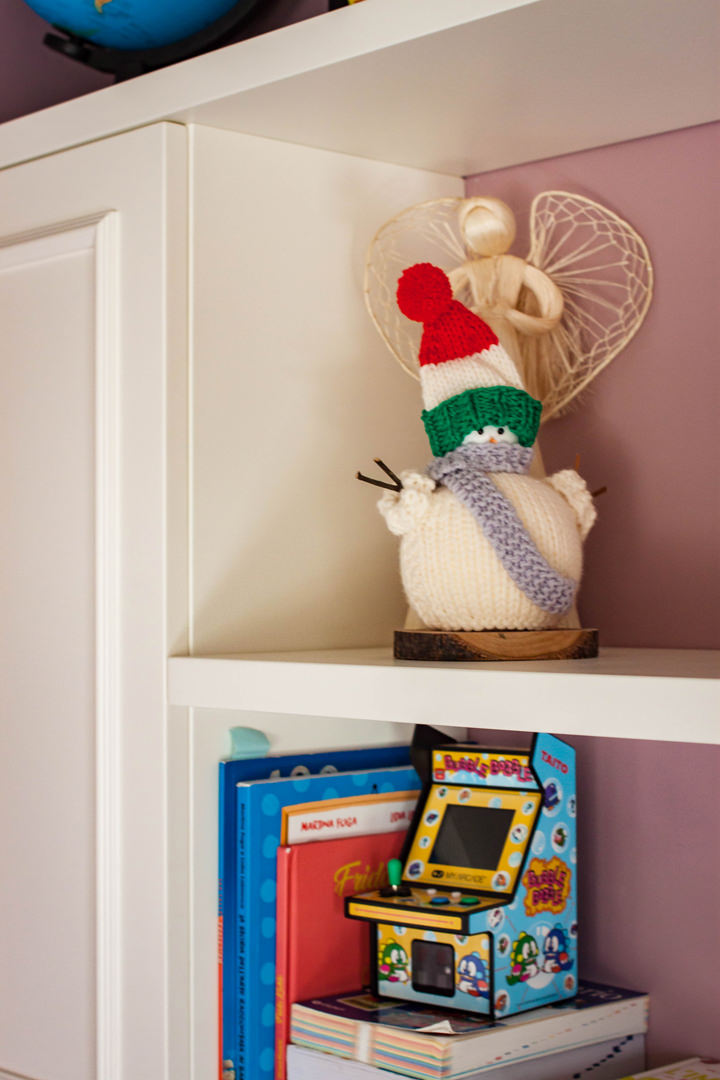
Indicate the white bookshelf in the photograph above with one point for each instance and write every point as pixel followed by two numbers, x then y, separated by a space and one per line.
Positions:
pixel 456 87
pixel 421 93
pixel 658 694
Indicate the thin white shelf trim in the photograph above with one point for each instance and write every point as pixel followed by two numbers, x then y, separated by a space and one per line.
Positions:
pixel 657 694
pixel 456 87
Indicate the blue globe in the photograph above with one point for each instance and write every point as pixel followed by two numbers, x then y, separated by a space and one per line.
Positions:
pixel 131 24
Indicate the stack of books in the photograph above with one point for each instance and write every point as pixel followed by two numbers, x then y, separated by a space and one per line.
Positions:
pixel 607 1023
pixel 257 798
pixel 603 1061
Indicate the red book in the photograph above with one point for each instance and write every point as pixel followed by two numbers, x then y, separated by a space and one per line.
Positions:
pixel 319 951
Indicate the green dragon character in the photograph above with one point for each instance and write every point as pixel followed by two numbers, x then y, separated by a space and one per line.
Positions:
pixel 523 959
pixel 394 963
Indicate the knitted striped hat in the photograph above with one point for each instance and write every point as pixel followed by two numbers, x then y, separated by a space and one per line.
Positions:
pixel 468 381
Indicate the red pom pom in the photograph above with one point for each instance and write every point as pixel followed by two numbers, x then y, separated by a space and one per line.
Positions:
pixel 424 292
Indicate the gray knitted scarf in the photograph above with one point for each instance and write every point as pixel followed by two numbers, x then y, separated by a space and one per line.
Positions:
pixel 465 472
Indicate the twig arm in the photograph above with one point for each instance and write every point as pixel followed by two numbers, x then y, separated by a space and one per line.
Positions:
pixel 395 486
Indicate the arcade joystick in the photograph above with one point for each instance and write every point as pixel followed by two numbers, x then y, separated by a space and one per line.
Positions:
pixel 395 888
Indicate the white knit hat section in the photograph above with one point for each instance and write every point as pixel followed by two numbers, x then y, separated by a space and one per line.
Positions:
pixel 491 367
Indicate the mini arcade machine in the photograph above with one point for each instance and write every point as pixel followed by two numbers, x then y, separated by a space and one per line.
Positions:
pixel 480 913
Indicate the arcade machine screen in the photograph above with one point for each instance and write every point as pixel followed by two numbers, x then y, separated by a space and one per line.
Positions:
pixel 472 836
pixel 473 840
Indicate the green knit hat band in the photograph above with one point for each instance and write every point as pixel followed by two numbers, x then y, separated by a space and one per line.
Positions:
pixel 500 406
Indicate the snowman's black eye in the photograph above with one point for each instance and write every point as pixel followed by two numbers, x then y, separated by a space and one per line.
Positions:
pixel 501 431
pixel 480 430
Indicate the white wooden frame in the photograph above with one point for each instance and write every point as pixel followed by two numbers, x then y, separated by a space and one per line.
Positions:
pixel 130 213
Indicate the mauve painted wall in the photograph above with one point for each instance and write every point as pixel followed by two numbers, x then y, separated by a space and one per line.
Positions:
pixel 649 880
pixel 33 77
pixel 649 846
pixel 649 883
pixel 648 427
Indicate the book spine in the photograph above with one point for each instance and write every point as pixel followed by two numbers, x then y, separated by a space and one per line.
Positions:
pixel 240 960
pixel 282 960
pixel 221 870
pixel 226 923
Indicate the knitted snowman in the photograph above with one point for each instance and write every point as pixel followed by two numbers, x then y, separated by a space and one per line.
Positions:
pixel 484 545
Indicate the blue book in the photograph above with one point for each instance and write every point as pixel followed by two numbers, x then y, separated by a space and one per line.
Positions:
pixel 230 774
pixel 260 806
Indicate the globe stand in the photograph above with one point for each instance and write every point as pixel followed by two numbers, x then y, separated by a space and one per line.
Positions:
pixel 128 63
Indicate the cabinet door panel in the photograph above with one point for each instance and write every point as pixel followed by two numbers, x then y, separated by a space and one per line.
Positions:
pixel 47 692
pixel 90 273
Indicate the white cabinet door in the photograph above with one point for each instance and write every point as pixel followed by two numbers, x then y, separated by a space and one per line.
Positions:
pixel 92 407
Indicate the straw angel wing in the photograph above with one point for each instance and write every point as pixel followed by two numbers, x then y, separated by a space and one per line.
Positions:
pixel 564 312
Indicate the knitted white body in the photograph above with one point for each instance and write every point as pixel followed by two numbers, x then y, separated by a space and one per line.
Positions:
pixel 453 577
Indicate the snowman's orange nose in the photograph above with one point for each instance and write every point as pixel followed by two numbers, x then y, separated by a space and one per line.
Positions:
pixel 493 440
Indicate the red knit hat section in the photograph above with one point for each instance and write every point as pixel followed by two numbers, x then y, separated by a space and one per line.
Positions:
pixel 424 294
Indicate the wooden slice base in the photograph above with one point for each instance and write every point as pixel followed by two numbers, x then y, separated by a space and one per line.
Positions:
pixel 495 644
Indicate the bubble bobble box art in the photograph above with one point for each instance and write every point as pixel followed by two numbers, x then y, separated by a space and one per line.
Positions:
pixel 481 910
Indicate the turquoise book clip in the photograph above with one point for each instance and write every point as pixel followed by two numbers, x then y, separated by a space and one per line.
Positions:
pixel 246 742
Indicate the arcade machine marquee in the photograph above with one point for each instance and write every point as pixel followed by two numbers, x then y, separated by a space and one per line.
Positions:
pixel 481 912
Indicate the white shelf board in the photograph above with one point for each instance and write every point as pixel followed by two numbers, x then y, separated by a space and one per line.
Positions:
pixel 458 86
pixel 658 694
